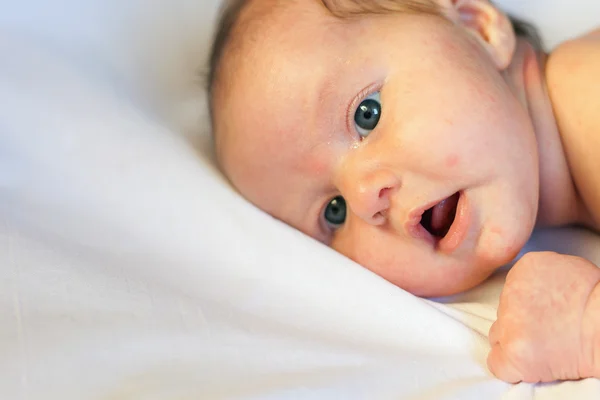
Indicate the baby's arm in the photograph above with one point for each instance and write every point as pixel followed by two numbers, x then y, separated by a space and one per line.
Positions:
pixel 548 325
pixel 573 78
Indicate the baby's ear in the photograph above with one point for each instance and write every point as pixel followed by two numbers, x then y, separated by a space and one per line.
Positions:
pixel 491 27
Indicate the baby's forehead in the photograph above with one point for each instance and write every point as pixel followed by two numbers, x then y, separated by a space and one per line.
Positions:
pixel 265 17
pixel 266 27
pixel 265 56
pixel 268 20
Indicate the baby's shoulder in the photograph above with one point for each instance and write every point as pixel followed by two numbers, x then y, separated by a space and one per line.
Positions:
pixel 573 71
pixel 577 53
pixel 573 79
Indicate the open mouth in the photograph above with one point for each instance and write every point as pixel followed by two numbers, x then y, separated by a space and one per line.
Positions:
pixel 438 219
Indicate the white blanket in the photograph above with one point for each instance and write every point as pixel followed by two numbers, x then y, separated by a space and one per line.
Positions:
pixel 130 270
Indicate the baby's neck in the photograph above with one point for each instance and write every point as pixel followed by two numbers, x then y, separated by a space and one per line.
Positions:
pixel 559 202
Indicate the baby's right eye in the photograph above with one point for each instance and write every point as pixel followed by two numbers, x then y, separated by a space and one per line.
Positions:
pixel 335 212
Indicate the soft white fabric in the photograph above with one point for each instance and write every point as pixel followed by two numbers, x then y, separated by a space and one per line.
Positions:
pixel 130 270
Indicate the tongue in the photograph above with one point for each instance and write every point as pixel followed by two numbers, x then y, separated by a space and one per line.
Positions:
pixel 442 215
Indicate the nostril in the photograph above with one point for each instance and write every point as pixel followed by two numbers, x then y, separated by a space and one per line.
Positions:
pixel 379 217
pixel 383 192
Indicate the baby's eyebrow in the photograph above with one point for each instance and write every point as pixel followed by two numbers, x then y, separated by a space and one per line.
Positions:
pixel 345 8
pixel 324 2
pixel 331 5
pixel 353 8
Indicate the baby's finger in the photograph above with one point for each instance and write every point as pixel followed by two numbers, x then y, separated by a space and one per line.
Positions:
pixel 501 367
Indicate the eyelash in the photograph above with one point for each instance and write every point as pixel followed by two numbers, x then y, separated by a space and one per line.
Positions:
pixel 363 94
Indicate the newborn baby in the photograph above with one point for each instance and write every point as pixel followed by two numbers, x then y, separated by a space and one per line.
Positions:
pixel 425 140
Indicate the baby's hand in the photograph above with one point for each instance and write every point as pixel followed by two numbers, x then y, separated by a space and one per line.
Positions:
pixel 538 336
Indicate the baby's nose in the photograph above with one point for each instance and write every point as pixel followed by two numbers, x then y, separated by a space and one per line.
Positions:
pixel 367 193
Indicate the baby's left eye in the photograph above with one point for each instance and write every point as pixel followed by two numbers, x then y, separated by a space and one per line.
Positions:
pixel 367 115
pixel 335 212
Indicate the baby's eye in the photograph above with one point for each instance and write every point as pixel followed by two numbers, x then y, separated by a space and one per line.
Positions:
pixel 335 212
pixel 367 115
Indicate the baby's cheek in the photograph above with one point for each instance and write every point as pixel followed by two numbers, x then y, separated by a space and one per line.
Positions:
pixel 369 253
pixel 452 161
pixel 402 265
pixel 375 251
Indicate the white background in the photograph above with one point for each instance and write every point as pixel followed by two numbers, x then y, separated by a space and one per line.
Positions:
pixel 130 270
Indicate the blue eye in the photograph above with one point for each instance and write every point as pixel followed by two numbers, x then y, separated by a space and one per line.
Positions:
pixel 335 212
pixel 367 115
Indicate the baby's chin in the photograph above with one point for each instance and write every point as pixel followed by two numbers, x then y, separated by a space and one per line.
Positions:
pixel 497 249
pixel 478 273
pixel 494 251
pixel 458 276
pixel 447 287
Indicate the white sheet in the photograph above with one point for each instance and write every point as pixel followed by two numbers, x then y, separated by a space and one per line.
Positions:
pixel 130 270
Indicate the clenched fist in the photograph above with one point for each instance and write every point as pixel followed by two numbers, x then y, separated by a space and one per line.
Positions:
pixel 543 332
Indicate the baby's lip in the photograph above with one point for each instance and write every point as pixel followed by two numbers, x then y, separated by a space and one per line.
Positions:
pixel 414 217
pixel 414 225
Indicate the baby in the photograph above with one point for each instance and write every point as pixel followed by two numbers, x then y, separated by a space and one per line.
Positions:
pixel 425 140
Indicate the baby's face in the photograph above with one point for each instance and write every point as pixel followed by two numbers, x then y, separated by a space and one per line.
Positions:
pixel 391 138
